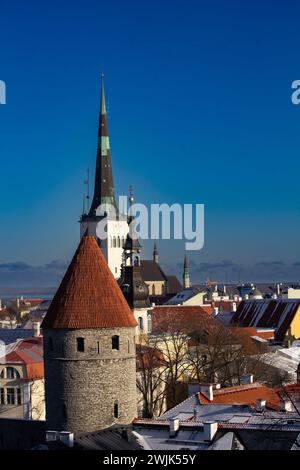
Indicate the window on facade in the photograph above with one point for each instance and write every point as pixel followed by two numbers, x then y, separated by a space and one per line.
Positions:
pixel 114 242
pixel 119 242
pixel 115 342
pixel 2 402
pixel 12 373
pixel 98 347
pixel 153 289
pixel 141 323
pixel 149 323
pixel 50 344
pixel 111 242
pixel 116 410
pixel 80 344
pixel 123 241
pixel 10 395
pixel 19 398
pixel 2 374
pixel 162 289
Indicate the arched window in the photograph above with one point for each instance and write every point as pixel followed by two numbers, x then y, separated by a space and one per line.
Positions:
pixel 141 323
pixel 118 242
pixel 153 289
pixel 115 342
pixel 123 241
pixel 162 289
pixel 114 242
pixel 136 261
pixel 11 373
pixel 116 409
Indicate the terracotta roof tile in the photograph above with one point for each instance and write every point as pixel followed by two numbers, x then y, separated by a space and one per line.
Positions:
pixel 88 296
pixel 243 395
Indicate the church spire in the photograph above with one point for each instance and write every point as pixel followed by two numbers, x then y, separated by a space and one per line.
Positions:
pixel 186 274
pixel 155 253
pixel 104 187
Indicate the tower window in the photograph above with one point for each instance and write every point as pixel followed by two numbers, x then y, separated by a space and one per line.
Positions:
pixel 153 289
pixel 50 344
pixel 80 344
pixel 114 242
pixel 119 242
pixel 98 347
pixel 116 410
pixel 123 241
pixel 141 323
pixel 115 342
pixel 64 411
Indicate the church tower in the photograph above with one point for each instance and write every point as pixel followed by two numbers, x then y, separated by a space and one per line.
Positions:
pixel 104 208
pixel 155 253
pixel 135 290
pixel 186 274
pixel 89 348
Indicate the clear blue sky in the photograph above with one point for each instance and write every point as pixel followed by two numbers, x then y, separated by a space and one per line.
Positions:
pixel 199 106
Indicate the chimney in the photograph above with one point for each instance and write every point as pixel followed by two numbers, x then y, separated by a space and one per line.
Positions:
pixel 0 304
pixel 216 311
pixel 196 414
pixel 207 391
pixel 278 289
pixel 18 302
pixel 247 379
pixel 224 289
pixel 36 328
pixel 210 428
pixel 174 426
pixel 260 405
pixel 67 438
pixel 51 436
pixel 216 386
pixel 234 306
pixel 286 405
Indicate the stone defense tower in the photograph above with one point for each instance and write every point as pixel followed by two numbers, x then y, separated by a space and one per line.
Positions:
pixel 104 208
pixel 89 348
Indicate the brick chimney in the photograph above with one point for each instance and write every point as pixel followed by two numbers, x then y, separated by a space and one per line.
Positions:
pixel 210 428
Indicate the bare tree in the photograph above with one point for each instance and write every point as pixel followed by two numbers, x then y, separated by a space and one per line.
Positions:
pixel 151 377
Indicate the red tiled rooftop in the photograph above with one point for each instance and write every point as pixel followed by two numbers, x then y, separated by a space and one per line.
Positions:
pixel 243 395
pixel 88 296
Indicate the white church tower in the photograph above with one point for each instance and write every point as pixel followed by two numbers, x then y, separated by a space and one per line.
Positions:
pixel 104 208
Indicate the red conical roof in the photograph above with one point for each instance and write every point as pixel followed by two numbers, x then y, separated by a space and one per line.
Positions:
pixel 88 296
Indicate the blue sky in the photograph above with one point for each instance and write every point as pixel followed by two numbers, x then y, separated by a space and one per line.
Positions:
pixel 199 104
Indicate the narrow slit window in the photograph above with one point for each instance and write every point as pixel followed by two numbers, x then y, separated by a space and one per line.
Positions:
pixel 116 410
pixel 50 344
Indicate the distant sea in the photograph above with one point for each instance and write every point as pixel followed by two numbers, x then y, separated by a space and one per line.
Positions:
pixel 31 292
